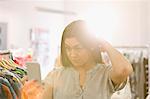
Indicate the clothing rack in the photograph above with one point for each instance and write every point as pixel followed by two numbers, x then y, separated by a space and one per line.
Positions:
pixel 146 67
pixel 11 75
pixel 5 54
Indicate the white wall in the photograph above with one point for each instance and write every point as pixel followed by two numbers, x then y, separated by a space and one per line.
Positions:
pixel 148 22
pixel 120 22
pixel 21 16
pixel 131 16
pixel 129 21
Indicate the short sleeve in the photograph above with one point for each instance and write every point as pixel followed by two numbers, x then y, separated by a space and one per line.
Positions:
pixel 49 85
pixel 49 79
pixel 113 87
pixel 52 76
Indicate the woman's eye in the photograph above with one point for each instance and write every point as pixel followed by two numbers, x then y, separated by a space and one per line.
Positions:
pixel 77 48
pixel 80 47
pixel 67 48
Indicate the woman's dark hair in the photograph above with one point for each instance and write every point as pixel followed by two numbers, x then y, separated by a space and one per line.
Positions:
pixel 78 30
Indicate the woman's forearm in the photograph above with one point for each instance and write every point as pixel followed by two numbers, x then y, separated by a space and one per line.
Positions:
pixel 47 93
pixel 121 68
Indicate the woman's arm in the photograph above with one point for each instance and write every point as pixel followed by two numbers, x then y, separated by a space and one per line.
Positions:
pixel 121 68
pixel 34 90
pixel 47 93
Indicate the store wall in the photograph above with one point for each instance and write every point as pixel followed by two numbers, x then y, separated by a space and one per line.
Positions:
pixel 16 26
pixel 148 22
pixel 120 22
pixel 22 16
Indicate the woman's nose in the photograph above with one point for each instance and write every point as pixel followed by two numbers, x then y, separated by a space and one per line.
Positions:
pixel 73 53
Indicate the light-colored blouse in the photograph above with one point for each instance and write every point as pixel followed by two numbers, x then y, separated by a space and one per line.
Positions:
pixel 98 85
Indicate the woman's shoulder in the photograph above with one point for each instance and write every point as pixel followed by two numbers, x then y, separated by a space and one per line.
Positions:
pixel 59 71
pixel 56 71
pixel 53 74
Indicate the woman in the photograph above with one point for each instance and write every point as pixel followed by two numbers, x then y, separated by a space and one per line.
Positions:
pixel 83 74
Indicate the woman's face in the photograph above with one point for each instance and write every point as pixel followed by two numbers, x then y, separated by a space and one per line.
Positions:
pixel 77 54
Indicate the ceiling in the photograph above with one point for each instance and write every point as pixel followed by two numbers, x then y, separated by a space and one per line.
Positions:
pixel 76 0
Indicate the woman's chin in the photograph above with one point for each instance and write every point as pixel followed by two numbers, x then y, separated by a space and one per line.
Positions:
pixel 77 64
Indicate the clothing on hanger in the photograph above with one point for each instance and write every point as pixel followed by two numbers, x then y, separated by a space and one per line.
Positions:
pixel 11 79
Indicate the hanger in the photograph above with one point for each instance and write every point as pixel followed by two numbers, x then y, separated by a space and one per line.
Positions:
pixel 10 63
pixel 6 64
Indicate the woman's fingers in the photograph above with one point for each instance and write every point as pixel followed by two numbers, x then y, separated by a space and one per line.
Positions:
pixel 35 90
pixel 103 45
pixel 29 84
pixel 32 89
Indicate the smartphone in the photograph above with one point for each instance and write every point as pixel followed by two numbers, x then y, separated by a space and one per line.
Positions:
pixel 33 71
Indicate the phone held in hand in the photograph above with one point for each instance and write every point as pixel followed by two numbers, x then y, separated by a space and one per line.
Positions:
pixel 33 71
